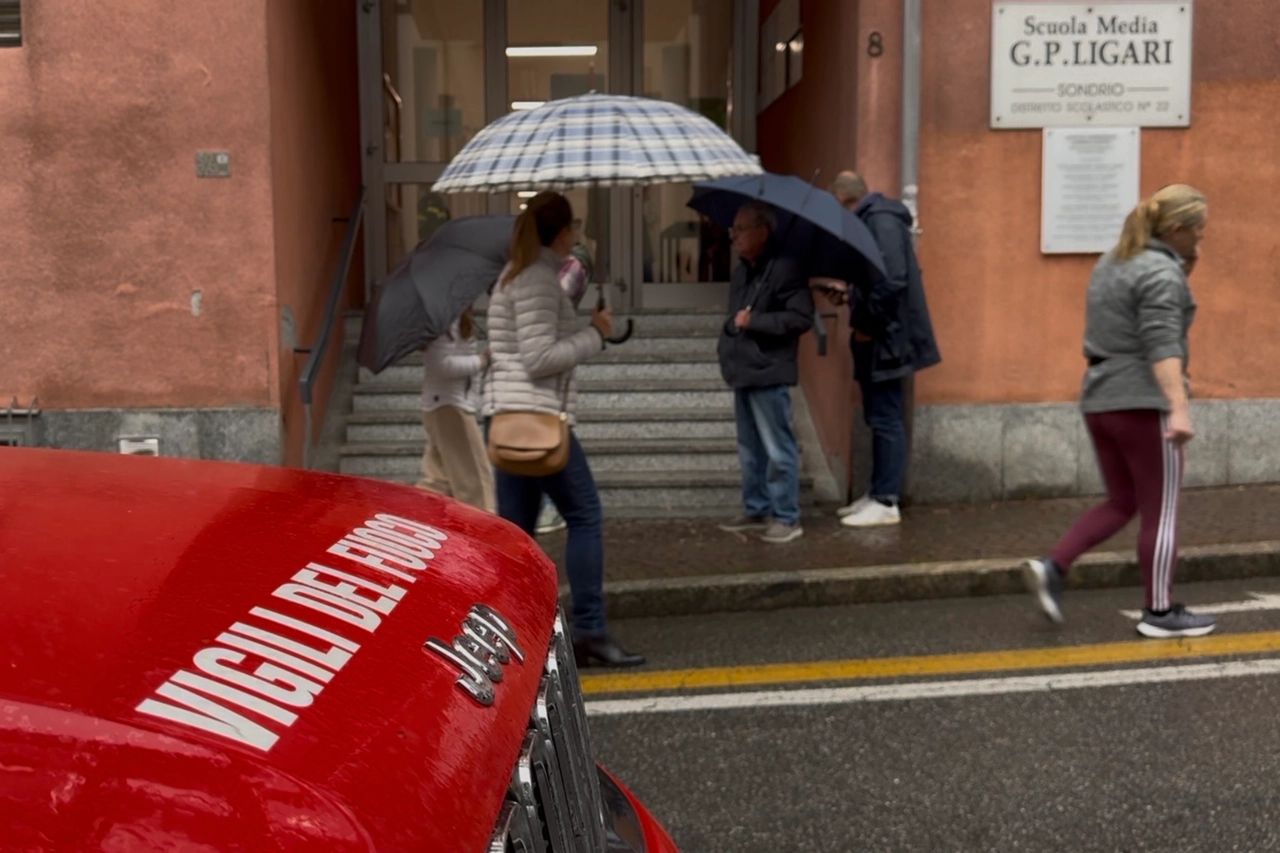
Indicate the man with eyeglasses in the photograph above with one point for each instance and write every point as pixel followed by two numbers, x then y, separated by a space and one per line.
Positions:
pixel 770 308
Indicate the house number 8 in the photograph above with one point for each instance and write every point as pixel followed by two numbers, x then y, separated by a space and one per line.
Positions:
pixel 875 45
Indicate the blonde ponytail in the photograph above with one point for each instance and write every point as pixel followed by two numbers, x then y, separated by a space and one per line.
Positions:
pixel 546 216
pixel 524 246
pixel 1173 205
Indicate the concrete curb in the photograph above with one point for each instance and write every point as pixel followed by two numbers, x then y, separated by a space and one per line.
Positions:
pixel 912 582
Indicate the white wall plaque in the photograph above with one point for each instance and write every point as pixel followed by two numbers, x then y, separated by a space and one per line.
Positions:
pixel 1071 64
pixel 1090 177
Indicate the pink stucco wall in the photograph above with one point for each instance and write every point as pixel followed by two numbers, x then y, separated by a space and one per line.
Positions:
pixel 108 233
pixel 1009 320
pixel 315 167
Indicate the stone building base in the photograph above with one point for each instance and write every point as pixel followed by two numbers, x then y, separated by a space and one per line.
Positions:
pixel 1042 450
pixel 234 434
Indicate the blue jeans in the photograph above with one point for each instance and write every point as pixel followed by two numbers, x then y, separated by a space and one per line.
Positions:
pixel 573 491
pixel 883 410
pixel 768 453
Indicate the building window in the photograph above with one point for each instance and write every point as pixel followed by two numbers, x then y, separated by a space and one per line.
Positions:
pixel 10 23
pixel 781 51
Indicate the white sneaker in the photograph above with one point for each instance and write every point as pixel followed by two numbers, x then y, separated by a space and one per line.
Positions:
pixel 853 507
pixel 549 520
pixel 873 514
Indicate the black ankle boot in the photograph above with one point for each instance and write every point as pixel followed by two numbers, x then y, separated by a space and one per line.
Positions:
pixel 603 651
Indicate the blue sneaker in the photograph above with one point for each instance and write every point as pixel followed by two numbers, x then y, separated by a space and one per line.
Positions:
pixel 1044 581
pixel 1177 621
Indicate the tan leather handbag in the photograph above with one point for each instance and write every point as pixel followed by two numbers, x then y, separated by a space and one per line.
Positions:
pixel 531 444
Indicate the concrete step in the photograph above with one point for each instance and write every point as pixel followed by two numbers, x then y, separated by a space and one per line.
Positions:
pixel 650 394
pixel 679 348
pixel 616 394
pixel 650 323
pixel 398 426
pixel 641 352
pixel 662 367
pixel 689 455
pixel 658 494
pixel 664 324
pixel 631 424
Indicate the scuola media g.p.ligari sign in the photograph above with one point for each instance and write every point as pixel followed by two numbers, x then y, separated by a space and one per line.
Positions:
pixel 1080 64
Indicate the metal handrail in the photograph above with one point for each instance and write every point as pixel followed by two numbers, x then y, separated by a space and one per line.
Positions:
pixel 318 350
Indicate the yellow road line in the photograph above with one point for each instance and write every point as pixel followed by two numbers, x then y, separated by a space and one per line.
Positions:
pixel 1006 660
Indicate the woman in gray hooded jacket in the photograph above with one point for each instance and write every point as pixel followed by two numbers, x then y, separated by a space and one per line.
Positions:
pixel 1134 401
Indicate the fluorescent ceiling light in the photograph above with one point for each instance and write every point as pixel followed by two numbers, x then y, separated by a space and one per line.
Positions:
pixel 554 50
pixel 526 105
pixel 527 193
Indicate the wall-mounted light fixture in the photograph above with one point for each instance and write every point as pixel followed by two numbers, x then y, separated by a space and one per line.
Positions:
pixel 553 50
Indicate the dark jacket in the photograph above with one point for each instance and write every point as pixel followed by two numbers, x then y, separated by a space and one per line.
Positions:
pixel 892 311
pixel 764 354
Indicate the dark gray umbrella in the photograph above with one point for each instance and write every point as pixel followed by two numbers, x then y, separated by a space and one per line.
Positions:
pixel 431 288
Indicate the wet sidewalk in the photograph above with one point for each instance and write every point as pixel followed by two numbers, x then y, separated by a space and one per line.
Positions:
pixel 637 550
pixel 689 565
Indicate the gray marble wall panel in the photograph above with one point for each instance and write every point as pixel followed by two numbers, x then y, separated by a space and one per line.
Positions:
pixel 1041 451
pixel 244 435
pixel 977 453
pixel 1254 444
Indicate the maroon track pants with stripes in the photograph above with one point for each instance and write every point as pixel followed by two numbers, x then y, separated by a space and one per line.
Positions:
pixel 1143 474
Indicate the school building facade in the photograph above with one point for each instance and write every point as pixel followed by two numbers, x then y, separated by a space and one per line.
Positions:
pixel 193 191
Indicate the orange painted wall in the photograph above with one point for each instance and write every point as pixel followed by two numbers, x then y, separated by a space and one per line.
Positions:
pixel 107 231
pixel 1009 319
pixel 315 169
pixel 815 125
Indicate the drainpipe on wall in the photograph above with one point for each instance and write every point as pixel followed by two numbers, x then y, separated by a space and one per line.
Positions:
pixel 911 107
pixel 910 171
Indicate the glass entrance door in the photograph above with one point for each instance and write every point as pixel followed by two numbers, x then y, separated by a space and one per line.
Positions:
pixel 434 72
pixel 687 58
pixel 558 49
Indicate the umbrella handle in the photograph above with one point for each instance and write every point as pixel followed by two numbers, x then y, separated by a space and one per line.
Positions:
pixel 631 326
pixel 622 338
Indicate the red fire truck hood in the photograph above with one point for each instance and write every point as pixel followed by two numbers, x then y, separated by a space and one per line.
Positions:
pixel 205 656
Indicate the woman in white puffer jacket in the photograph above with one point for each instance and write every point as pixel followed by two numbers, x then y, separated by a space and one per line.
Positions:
pixel 537 340
pixel 456 462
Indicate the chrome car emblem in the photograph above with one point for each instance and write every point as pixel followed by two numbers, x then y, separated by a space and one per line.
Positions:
pixel 487 644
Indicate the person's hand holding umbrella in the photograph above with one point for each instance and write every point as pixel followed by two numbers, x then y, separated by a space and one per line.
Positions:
pixel 602 319
pixel 836 291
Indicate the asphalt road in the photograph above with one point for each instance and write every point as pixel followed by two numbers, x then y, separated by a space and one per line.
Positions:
pixel 869 759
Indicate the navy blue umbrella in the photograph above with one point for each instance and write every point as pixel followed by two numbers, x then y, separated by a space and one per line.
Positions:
pixel 813 226
pixel 431 287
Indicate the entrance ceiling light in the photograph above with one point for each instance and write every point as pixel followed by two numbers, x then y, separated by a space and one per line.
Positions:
pixel 554 50
pixel 526 105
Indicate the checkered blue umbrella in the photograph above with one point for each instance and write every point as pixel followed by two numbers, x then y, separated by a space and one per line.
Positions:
pixel 594 141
